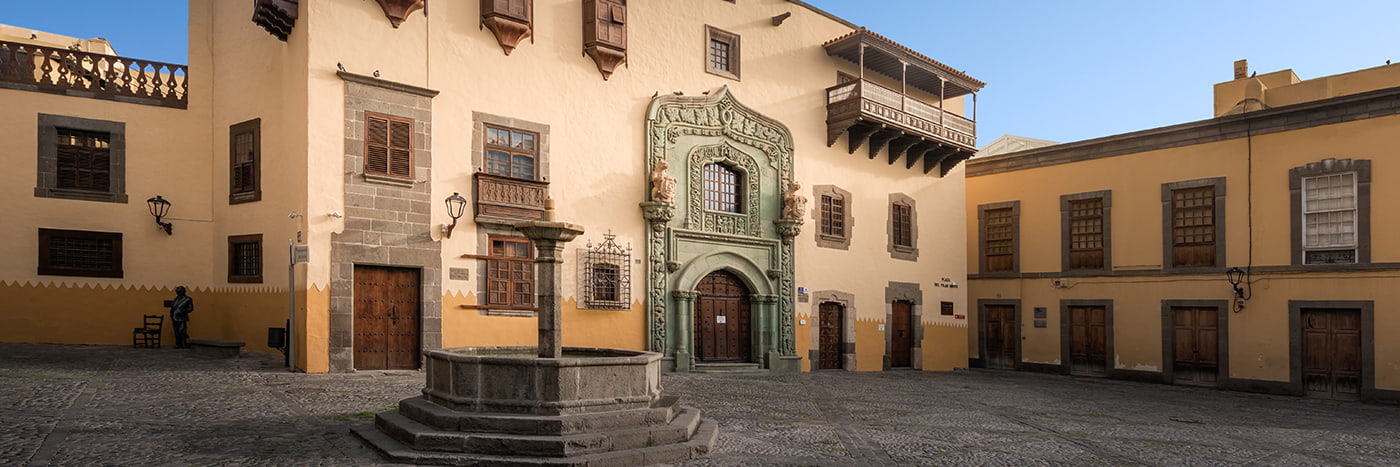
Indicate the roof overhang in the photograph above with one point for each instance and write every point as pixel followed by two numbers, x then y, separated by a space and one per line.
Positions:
pixel 889 58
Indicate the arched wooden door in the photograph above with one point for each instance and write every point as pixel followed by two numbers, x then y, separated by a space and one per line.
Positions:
pixel 722 315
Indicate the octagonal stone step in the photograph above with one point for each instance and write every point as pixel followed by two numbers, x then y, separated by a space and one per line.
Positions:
pixel 423 437
pixel 443 418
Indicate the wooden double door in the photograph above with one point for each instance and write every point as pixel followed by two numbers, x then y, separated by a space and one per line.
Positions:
pixel 1088 340
pixel 830 341
pixel 386 313
pixel 1002 336
pixel 722 320
pixel 1196 345
pixel 1331 353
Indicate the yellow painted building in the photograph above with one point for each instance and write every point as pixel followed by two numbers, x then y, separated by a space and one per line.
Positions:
pixel 1112 256
pixel 812 174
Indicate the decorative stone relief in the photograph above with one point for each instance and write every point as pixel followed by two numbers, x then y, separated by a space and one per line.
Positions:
pixel 793 202
pixel 663 185
pixel 697 217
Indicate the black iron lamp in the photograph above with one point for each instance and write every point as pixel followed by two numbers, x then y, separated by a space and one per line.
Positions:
pixel 1236 276
pixel 456 205
pixel 159 207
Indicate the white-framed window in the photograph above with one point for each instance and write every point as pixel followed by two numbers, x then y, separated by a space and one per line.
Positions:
pixel 1329 218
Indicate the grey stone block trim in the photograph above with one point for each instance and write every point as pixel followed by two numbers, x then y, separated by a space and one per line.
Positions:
pixel 842 242
pixel 1222 313
pixel 1329 166
pixel 1107 196
pixel 47 184
pixel 481 119
pixel 912 293
pixel 904 252
pixel 847 302
pixel 1367 308
pixel 387 223
pixel 1373 104
pixel 1220 238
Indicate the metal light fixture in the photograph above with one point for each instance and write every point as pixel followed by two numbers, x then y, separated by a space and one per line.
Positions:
pixel 456 205
pixel 159 207
pixel 1236 276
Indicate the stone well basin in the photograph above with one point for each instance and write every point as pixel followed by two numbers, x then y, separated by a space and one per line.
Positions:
pixel 515 380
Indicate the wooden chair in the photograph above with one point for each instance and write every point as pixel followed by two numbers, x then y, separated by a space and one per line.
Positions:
pixel 148 335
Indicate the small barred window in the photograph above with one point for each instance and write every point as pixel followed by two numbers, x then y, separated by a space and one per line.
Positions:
pixel 606 275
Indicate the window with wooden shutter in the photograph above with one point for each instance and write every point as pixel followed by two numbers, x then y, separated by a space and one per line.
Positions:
pixel 605 33
pixel 1086 229
pixel 1193 226
pixel 510 274
pixel 999 240
pixel 245 264
pixel 512 153
pixel 80 253
pixel 388 146
pixel 245 154
pixel 511 21
pixel 84 160
pixel 902 216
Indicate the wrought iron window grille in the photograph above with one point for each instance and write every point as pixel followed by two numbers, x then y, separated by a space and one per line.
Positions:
pixel 606 275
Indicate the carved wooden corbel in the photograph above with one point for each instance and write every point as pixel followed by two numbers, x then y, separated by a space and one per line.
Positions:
pixel 509 20
pixel 398 10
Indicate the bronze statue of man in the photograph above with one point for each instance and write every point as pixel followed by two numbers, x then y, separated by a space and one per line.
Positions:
pixel 180 309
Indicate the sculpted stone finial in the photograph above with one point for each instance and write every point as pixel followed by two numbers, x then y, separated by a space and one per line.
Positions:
pixel 794 204
pixel 663 185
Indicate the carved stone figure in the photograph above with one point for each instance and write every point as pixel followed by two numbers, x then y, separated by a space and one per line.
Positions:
pixel 794 204
pixel 663 185
pixel 180 309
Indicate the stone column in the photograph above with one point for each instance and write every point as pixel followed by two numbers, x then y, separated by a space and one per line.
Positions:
pixel 769 333
pixel 685 323
pixel 549 238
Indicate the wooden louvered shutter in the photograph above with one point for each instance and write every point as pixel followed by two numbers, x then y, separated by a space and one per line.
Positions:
pixel 376 145
pixel 400 148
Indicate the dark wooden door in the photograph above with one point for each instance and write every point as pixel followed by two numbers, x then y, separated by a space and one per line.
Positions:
pixel 1088 343
pixel 901 334
pixel 1196 345
pixel 1002 336
pixel 1332 353
pixel 829 353
pixel 722 319
pixel 386 318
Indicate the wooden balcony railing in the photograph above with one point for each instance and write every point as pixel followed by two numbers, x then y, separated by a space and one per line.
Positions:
pixel 869 101
pixel 85 74
pixel 506 199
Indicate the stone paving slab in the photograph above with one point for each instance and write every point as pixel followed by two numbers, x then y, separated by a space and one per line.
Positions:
pixel 98 405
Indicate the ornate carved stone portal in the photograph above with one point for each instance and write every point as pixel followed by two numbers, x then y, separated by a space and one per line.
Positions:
pixel 749 239
pixel 398 10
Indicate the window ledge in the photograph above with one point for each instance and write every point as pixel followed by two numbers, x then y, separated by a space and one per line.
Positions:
pixel 246 197
pixel 83 195
pixel 390 180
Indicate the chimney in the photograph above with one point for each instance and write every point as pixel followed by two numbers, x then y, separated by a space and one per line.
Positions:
pixel 1241 69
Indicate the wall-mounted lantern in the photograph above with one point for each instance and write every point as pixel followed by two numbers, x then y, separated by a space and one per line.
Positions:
pixel 1236 276
pixel 456 205
pixel 159 207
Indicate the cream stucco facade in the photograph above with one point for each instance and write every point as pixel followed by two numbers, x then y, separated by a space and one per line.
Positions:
pixel 343 63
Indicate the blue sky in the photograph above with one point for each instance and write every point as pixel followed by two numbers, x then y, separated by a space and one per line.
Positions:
pixel 1063 70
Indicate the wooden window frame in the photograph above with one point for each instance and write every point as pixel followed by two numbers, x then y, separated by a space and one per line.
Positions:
pixel 713 34
pixel 1168 225
pixel 46 254
pixel 903 230
pixel 1067 230
pixel 902 234
pixel 1325 167
pixel 47 164
pixel 827 240
pixel 533 153
pixel 233 242
pixel 833 215
pixel 388 145
pixel 1015 208
pixel 493 260
pixel 252 191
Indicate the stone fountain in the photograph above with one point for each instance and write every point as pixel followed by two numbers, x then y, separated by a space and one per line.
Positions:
pixel 544 405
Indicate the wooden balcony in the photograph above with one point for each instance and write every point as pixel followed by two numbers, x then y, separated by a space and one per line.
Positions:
pixel 912 129
pixel 84 74
pixel 506 200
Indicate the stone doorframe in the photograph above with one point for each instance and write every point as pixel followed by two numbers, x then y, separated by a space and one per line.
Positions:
pixel 762 319
pixel 906 292
pixel 847 302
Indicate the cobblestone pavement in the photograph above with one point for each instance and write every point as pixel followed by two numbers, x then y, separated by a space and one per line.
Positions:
pixel 90 405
